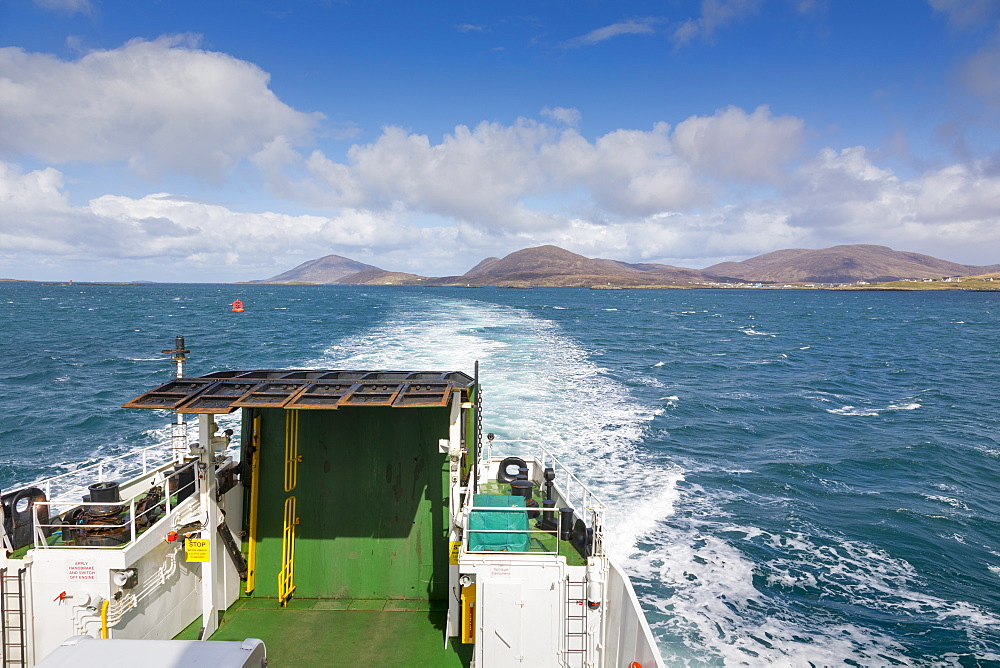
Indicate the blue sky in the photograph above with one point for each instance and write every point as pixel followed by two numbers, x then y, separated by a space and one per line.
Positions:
pixel 227 141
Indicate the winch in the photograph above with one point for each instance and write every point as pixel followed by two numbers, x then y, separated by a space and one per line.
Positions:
pixel 100 525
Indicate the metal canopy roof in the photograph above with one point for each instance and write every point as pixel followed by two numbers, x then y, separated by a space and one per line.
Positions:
pixel 225 391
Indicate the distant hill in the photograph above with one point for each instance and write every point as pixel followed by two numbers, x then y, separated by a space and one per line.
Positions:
pixel 554 266
pixel 484 266
pixel 375 276
pixel 329 269
pixel 839 264
pixel 543 261
pixel 551 265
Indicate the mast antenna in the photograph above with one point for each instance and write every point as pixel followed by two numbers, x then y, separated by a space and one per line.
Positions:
pixel 179 435
pixel 178 355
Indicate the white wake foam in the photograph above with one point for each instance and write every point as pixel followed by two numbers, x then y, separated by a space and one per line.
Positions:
pixel 537 384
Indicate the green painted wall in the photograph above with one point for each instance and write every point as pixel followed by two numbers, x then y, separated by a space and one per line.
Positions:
pixel 372 501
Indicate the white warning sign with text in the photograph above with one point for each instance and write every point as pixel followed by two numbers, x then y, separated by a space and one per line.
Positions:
pixel 82 570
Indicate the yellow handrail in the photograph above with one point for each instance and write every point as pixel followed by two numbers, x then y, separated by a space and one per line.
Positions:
pixel 104 619
pixel 286 576
pixel 292 457
pixel 254 495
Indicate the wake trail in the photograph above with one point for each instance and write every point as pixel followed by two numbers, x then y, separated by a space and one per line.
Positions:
pixel 538 384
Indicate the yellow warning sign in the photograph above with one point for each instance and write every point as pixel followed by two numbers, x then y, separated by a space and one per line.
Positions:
pixel 453 551
pixel 198 549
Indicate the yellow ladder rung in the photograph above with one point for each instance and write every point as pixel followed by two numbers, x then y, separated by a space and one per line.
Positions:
pixel 286 576
pixel 292 457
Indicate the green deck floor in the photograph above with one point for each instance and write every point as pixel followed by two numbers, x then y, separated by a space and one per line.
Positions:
pixel 332 632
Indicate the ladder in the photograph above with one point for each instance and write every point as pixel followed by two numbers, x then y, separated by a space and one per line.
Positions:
pixel 12 636
pixel 575 624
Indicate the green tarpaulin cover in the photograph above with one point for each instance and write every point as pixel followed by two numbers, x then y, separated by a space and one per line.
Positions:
pixel 511 525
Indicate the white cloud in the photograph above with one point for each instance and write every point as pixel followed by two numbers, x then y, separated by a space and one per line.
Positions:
pixel 34 211
pixel 731 143
pixel 631 172
pixel 477 174
pixel 156 105
pixel 632 27
pixel 84 7
pixel 981 74
pixel 714 15
pixel 566 116
pixel 962 195
pixel 952 212
pixel 405 203
pixel 36 218
pixel 484 175
pixel 965 14
pixel 487 175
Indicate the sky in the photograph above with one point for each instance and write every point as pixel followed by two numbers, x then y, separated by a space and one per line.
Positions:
pixel 225 141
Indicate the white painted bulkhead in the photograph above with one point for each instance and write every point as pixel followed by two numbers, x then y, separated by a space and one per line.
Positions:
pixel 66 587
pixel 519 609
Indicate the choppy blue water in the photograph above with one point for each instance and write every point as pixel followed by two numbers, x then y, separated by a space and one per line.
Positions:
pixel 793 477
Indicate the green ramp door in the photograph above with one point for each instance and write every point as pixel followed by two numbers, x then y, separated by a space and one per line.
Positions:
pixel 370 496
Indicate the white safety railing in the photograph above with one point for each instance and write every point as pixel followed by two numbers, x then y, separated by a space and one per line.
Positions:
pixel 133 464
pixel 114 524
pixel 570 490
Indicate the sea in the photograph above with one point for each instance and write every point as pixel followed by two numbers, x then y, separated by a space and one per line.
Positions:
pixel 793 478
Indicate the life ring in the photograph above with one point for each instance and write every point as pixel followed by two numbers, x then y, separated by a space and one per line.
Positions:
pixel 503 475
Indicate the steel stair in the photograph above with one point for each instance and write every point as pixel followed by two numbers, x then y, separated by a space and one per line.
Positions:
pixel 12 635
pixel 575 624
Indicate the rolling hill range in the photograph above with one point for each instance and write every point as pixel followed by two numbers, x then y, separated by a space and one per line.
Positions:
pixel 554 266
pixel 840 264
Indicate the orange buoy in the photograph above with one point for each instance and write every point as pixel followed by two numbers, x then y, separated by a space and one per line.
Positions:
pixel 237 306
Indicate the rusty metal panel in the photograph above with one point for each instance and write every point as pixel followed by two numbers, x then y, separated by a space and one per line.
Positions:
pixel 259 375
pixel 372 394
pixel 171 395
pixel 423 395
pixel 323 394
pixel 269 395
pixel 219 398
pixel 385 376
pixel 353 376
pixel 429 375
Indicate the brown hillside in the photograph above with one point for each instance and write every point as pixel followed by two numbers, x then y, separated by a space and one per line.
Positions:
pixel 482 267
pixel 839 264
pixel 554 266
pixel 375 276
pixel 551 265
pixel 329 269
pixel 544 261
